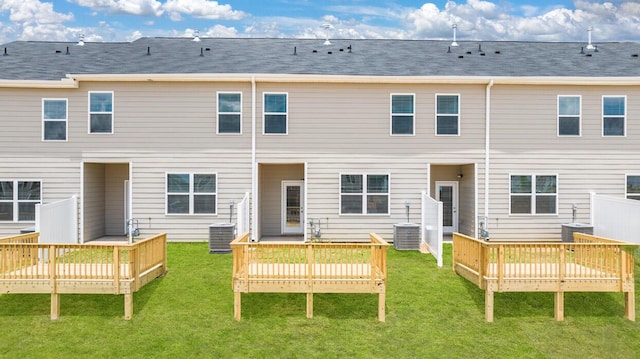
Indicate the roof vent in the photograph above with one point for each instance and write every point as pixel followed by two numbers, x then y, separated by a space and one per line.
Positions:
pixel 455 28
pixel 632 55
pixel 196 36
pixel 349 47
pixel 590 45
pixel 5 52
pixel 327 27
pixel 295 50
pixel 67 53
pixel 148 50
pixel 81 41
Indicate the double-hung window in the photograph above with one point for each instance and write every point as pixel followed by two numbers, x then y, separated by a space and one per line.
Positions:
pixel 364 194
pixel 569 114
pixel 54 119
pixel 614 115
pixel 402 114
pixel 100 112
pixel 275 113
pixel 533 194
pixel 448 114
pixel 633 187
pixel 18 200
pixel 229 113
pixel 191 193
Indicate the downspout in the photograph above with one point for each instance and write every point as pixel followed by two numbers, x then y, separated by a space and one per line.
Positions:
pixel 254 165
pixel 487 148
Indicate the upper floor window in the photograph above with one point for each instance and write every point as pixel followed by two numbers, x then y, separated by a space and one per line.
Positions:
pixel 569 114
pixel 364 194
pixel 448 115
pixel 533 194
pixel 275 113
pixel 230 112
pixel 18 200
pixel 191 193
pixel 633 187
pixel 402 114
pixel 54 119
pixel 613 115
pixel 100 112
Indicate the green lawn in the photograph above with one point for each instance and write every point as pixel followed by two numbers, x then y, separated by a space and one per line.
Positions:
pixel 431 313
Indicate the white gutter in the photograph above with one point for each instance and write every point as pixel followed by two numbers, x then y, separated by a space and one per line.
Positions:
pixel 487 146
pixel 254 166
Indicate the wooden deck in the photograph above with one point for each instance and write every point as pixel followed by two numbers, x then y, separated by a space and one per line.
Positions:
pixel 309 268
pixel 590 264
pixel 95 268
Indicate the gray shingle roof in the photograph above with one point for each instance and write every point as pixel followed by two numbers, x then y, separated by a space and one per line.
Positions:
pixel 32 60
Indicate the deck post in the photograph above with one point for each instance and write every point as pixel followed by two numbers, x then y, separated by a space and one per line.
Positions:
pixel 128 306
pixel 309 304
pixel 559 305
pixel 488 303
pixel 381 304
pixel 630 306
pixel 55 306
pixel 237 308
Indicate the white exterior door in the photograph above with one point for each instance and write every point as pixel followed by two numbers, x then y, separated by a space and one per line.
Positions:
pixel 447 193
pixel 292 207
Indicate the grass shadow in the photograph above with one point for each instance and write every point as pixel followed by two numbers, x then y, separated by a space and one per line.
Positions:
pixel 541 304
pixel 77 305
pixel 330 305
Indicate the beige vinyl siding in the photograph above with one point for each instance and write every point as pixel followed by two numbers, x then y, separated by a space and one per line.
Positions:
pixel 524 141
pixel 354 118
pixel 94 210
pixel 233 169
pixel 60 180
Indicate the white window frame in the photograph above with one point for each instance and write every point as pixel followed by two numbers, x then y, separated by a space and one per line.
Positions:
pixel 365 193
pixel 112 113
pixel 559 116
pixel 412 114
pixel 626 185
pixel 191 194
pixel 218 113
pixel 448 114
pixel 534 195
pixel 624 117
pixel 16 202
pixel 265 114
pixel 65 120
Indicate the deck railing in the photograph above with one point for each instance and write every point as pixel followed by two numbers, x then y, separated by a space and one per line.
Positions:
pixel 28 267
pixel 309 267
pixel 590 263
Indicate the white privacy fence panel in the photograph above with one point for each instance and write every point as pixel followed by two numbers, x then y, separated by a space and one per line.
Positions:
pixel 243 215
pixel 431 233
pixel 614 217
pixel 57 222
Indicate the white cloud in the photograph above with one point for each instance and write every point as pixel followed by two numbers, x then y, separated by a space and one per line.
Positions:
pixel 33 11
pixel 203 9
pixel 129 7
pixel 34 20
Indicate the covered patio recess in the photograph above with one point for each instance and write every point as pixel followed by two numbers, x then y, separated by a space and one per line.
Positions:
pixel 455 185
pixel 106 200
pixel 282 204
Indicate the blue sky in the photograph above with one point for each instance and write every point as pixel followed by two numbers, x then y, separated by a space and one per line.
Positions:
pixel 126 20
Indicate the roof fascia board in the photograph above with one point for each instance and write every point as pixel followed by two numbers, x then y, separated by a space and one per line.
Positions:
pixel 62 83
pixel 72 80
